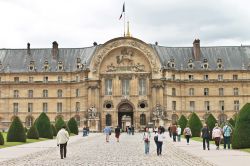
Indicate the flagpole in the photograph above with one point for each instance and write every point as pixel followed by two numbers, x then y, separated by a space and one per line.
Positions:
pixel 124 24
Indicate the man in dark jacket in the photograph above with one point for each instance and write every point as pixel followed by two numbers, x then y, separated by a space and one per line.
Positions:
pixel 205 134
pixel 117 133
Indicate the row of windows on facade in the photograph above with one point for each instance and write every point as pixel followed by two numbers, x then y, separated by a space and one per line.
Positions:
pixel 206 77
pixel 45 79
pixel 191 92
pixel 207 106
pixel 45 107
pixel 109 119
pixel 45 93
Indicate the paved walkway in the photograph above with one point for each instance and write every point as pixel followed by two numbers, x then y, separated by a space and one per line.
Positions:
pixel 93 150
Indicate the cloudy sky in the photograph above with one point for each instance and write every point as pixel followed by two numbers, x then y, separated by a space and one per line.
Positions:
pixel 78 23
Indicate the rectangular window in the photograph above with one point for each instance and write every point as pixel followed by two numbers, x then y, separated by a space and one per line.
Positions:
pixel 108 87
pixel 142 87
pixel 30 107
pixel 16 93
pixel 221 104
pixel 206 77
pixel 45 93
pixel 15 107
pixel 125 87
pixel 235 77
pixel 221 92
pixel 191 92
pixel 30 93
pixel 206 91
pixel 173 92
pixel 77 106
pixel 236 91
pixel 59 93
pixel 207 106
pixel 59 79
pixel 192 105
pixel 173 105
pixel 220 77
pixel 30 79
pixel 173 77
pixel 77 92
pixel 190 77
pixel 77 79
pixel 59 107
pixel 236 105
pixel 45 107
pixel 16 79
pixel 45 79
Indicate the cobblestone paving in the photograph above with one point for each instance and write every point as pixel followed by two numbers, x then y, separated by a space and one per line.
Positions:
pixel 95 151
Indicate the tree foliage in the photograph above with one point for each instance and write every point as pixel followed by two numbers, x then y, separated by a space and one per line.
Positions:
pixel 16 132
pixel 43 126
pixel 1 139
pixel 72 124
pixel 33 132
pixel 60 123
pixel 182 122
pixel 211 123
pixel 195 124
pixel 53 130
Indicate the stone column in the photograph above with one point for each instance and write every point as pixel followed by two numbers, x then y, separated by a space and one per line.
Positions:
pixel 89 97
pixel 160 95
pixel 153 96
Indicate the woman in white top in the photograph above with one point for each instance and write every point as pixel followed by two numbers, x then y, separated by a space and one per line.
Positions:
pixel 146 139
pixel 178 133
pixel 159 141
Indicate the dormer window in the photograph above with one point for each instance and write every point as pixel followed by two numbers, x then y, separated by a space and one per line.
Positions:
pixel 205 64
pixel 60 66
pixel 78 65
pixel 172 63
pixel 46 66
pixel 219 64
pixel 190 64
pixel 32 66
pixel 1 65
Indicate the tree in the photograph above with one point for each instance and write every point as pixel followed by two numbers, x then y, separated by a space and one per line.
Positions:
pixel 195 124
pixel 1 139
pixel 43 126
pixel 53 130
pixel 232 122
pixel 211 123
pixel 72 124
pixel 182 122
pixel 16 132
pixel 33 132
pixel 60 123
pixel 241 132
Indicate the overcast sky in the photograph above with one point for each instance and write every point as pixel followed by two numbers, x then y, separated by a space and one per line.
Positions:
pixel 78 23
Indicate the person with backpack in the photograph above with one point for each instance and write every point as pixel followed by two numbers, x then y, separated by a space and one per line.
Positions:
pixel 170 131
pixel 159 141
pixel 227 131
pixel 187 133
pixel 146 139
pixel 205 134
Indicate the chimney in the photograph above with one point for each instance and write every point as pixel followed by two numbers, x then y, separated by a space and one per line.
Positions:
pixel 196 50
pixel 28 49
pixel 55 50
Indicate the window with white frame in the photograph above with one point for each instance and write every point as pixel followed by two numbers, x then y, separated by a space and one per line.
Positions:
pixel 236 91
pixel 125 87
pixel 235 77
pixel 45 93
pixel 142 86
pixel 45 79
pixel 191 92
pixel 77 92
pixel 236 105
pixel 30 107
pixel 108 87
pixel 15 107
pixel 77 106
pixel 205 77
pixel 59 93
pixel 190 77
pixel 221 104
pixel 59 79
pixel 59 107
pixel 45 107
pixel 207 105
pixel 221 92
pixel 31 79
pixel 173 105
pixel 192 105
pixel 220 77
pixel 16 79
pixel 30 93
pixel 16 93
pixel 173 92
pixel 206 91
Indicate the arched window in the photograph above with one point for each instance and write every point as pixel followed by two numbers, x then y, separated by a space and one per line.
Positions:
pixel 142 119
pixel 174 119
pixel 108 120
pixel 29 121
pixel 222 118
pixel 59 93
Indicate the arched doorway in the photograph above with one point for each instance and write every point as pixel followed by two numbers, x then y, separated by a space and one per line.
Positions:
pixel 125 115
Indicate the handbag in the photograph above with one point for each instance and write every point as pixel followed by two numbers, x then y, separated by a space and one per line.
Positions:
pixel 156 138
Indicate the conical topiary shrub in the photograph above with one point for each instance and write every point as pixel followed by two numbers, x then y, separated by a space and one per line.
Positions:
pixel 33 132
pixel 16 132
pixel 182 122
pixel 232 122
pixel 60 123
pixel 211 123
pixel 72 124
pixel 53 130
pixel 43 126
pixel 195 124
pixel 241 132
pixel 1 139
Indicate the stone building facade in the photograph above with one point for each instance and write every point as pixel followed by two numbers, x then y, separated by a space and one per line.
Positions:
pixel 124 81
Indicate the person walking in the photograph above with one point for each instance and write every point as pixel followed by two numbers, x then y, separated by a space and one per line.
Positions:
pixel 62 138
pixel 117 133
pixel 178 133
pixel 216 135
pixel 174 132
pixel 84 131
pixel 146 139
pixel 205 133
pixel 107 132
pixel 159 141
pixel 227 131
pixel 187 133
pixel 170 131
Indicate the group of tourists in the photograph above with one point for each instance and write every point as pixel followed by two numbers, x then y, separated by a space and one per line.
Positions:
pixel 85 131
pixel 130 130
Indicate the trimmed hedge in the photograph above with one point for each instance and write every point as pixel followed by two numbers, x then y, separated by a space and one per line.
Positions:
pixel 195 124
pixel 241 133
pixel 43 126
pixel 72 124
pixel 59 124
pixel 232 122
pixel 16 132
pixel 211 123
pixel 182 122
pixel 53 130
pixel 33 132
pixel 1 139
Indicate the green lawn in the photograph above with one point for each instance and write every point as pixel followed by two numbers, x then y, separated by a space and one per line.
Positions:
pixel 8 144
pixel 246 150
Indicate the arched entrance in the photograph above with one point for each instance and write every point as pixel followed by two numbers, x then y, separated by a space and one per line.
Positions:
pixel 125 115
